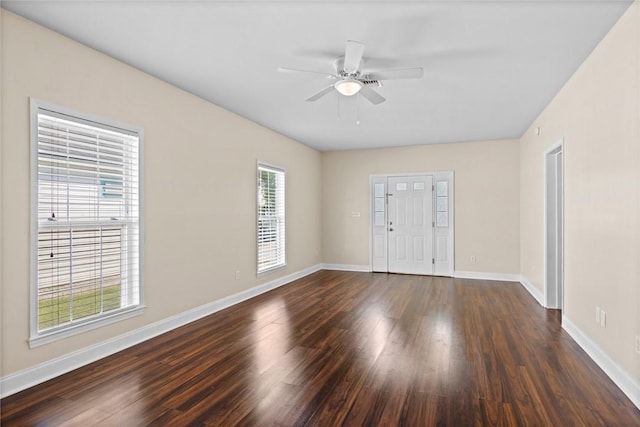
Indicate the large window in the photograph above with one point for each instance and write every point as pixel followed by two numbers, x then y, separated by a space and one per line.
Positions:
pixel 271 218
pixel 86 222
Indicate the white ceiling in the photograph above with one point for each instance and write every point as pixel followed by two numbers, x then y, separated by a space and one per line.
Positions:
pixel 490 66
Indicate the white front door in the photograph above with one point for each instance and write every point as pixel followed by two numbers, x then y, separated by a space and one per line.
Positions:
pixel 410 224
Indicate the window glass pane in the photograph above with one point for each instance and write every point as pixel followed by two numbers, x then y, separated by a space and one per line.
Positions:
pixel 442 219
pixel 379 219
pixel 442 204
pixel 271 218
pixel 379 190
pixel 418 186
pixel 87 214
pixel 379 204
pixel 442 188
pixel 401 186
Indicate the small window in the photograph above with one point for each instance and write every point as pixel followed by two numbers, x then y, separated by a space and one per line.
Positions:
pixel 379 205
pixel 271 218
pixel 86 217
pixel 442 204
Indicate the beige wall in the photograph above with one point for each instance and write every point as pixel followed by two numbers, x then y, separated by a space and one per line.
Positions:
pixel 486 200
pixel 199 192
pixel 598 115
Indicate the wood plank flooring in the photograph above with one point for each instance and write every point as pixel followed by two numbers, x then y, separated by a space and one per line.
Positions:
pixel 344 348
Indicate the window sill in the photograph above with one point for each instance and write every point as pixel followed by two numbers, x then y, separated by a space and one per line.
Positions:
pixel 270 270
pixel 77 328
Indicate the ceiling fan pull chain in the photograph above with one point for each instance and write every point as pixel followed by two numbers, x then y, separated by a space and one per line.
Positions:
pixel 358 109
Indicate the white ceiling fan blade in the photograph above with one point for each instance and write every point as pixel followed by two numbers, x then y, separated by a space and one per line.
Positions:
pixel 353 56
pixel 296 71
pixel 372 96
pixel 402 73
pixel 320 94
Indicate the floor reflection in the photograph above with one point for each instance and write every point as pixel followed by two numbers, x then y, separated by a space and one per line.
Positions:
pixel 419 350
pixel 273 356
pixel 272 332
pixel 377 328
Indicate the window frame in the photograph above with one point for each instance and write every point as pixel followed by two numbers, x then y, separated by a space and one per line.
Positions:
pixel 277 169
pixel 36 337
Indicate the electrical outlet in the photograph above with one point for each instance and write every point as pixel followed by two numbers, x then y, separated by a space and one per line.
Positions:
pixel 473 258
pixel 603 318
pixel 237 274
pixel 638 344
pixel 597 314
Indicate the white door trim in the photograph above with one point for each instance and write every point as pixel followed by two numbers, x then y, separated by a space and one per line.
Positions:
pixel 451 194
pixel 550 287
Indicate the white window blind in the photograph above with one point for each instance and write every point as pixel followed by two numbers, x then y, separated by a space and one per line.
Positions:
pixel 88 224
pixel 271 217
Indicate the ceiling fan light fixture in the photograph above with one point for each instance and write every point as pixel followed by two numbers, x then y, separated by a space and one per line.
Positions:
pixel 348 87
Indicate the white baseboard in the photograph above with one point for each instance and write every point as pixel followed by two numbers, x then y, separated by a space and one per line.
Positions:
pixel 618 375
pixel 532 290
pixel 458 274
pixel 42 372
pixel 347 267
pixel 502 277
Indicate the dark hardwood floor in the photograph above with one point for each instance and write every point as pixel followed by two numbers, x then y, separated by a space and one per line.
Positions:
pixel 342 348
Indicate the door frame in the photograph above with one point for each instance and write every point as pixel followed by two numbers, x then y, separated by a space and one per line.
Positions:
pixel 553 276
pixel 451 194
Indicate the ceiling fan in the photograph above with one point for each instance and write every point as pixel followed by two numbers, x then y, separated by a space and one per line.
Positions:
pixel 350 79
